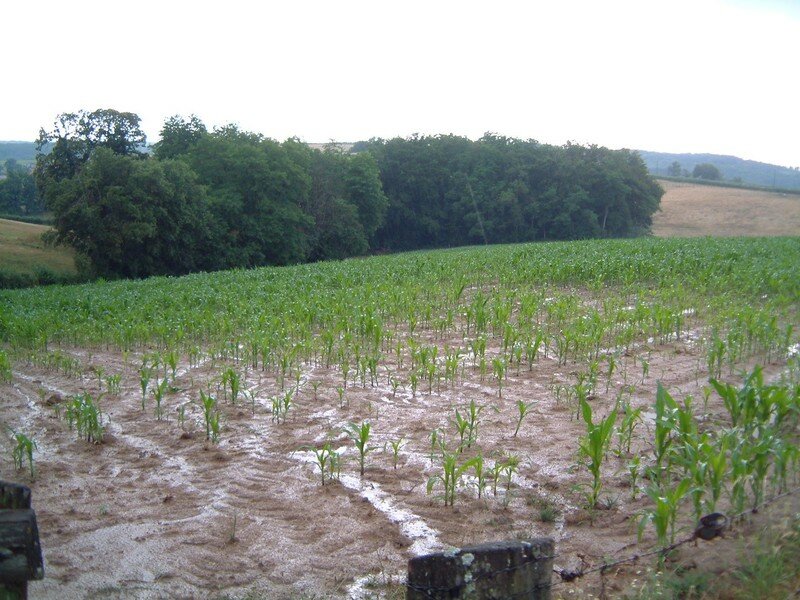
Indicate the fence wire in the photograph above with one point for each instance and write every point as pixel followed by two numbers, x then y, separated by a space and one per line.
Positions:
pixel 709 527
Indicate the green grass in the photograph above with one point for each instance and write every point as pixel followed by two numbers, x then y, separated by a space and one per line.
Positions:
pixel 26 260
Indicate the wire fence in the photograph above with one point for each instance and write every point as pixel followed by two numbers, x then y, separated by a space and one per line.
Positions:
pixel 709 527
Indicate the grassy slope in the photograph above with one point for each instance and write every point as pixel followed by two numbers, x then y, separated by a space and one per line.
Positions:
pixel 22 250
pixel 689 210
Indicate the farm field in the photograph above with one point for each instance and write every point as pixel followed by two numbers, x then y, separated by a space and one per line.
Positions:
pixel 22 250
pixel 547 383
pixel 689 210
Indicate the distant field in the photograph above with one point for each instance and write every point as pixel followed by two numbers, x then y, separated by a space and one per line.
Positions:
pixel 689 210
pixel 22 250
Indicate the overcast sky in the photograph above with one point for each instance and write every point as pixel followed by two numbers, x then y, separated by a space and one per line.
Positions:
pixel 719 76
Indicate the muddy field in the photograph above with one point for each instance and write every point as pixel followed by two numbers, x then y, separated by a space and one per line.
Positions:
pixel 689 210
pixel 156 511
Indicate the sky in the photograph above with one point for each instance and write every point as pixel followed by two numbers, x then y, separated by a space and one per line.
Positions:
pixel 716 76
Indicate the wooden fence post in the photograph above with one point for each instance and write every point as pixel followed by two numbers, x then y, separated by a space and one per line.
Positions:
pixel 496 570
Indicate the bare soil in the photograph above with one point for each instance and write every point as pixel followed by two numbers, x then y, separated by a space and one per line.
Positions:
pixel 156 511
pixel 689 210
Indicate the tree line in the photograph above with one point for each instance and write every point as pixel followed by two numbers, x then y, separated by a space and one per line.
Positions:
pixel 227 198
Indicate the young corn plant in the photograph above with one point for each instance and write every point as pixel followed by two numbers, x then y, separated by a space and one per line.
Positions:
pixel 509 466
pixel 481 473
pixel 171 360
pixel 159 391
pixel 359 434
pixel 327 461
pixel 232 384
pixel 522 410
pixel 664 513
pixel 630 418
pixel 473 412
pixel 113 384
pixel 449 478
pixel 634 470
pixel 145 374
pixel 281 406
pixel 461 424
pixel 23 448
pixel 210 416
pixel 396 445
pixel 665 424
pixel 84 414
pixel 593 448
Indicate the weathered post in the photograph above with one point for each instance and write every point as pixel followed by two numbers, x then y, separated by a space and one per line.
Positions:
pixel 487 571
pixel 20 552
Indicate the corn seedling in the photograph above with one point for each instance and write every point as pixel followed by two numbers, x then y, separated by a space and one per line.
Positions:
pixel 84 414
pixel 473 411
pixel 437 441
pixel 171 360
pixel 395 383
pixel 231 383
pixel 630 418
pixel 461 428
pixel 210 416
pixel 449 478
pixel 145 374
pixel 665 409
pixel 522 410
pixel 359 434
pixel 340 393
pixel 327 461
pixel 158 394
pixel 113 384
pixel 396 445
pixel 593 448
pixel 481 474
pixel 508 468
pixel 664 513
pixel 23 448
pixel 499 368
pixel 634 470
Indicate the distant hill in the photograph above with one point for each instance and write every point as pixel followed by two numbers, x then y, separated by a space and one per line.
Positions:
pixel 731 167
pixel 23 152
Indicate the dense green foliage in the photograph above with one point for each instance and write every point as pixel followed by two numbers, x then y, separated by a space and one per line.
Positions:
pixel 18 190
pixel 229 198
pixel 448 191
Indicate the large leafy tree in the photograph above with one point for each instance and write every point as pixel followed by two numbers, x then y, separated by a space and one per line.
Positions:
pixel 447 190
pixel 134 218
pixel 179 135
pixel 75 136
pixel 256 191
